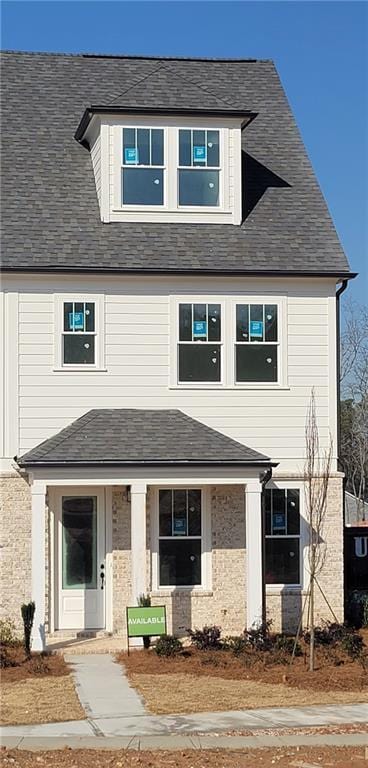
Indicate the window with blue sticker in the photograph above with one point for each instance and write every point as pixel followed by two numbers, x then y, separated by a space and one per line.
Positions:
pixel 199 344
pixel 143 172
pixel 282 536
pixel 256 347
pixel 199 168
pixel 78 336
pixel 180 537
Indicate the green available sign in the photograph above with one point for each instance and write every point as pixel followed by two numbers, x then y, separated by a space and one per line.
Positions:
pixel 146 621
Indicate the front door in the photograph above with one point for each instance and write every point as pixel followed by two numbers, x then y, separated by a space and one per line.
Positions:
pixel 81 560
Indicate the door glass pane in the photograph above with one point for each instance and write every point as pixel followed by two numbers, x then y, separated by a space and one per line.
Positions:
pixel 194 512
pixel 242 322
pixel 271 322
pixel 143 186
pixel 79 542
pixel 143 142
pixel 157 146
pixel 184 147
pixel 256 363
pixel 79 348
pixel 199 362
pixel 165 512
pixel 199 187
pixel 180 562
pixel 213 148
pixel 282 561
pixel 214 322
pixel 185 322
pixel 180 513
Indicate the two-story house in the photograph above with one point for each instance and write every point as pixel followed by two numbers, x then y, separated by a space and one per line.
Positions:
pixel 170 281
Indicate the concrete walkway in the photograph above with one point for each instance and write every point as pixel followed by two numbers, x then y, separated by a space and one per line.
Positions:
pixel 103 688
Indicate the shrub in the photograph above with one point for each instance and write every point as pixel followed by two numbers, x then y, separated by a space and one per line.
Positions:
pixel 8 633
pixel 259 638
pixel 352 644
pixel 145 601
pixel 168 645
pixel 286 644
pixel 6 659
pixel 28 611
pixel 237 644
pixel 206 639
pixel 336 636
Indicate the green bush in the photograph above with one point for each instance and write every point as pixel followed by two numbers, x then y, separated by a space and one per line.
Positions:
pixel 286 644
pixel 168 645
pixel 28 612
pixel 237 644
pixel 206 639
pixel 259 638
pixel 8 635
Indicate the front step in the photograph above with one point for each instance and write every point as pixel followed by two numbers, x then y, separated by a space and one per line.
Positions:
pixel 78 634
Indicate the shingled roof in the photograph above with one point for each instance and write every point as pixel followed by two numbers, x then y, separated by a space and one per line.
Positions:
pixel 129 436
pixel 51 219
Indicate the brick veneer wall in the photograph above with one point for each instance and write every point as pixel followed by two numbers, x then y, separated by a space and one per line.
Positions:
pixel 15 552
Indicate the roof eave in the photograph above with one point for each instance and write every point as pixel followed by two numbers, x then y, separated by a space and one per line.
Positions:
pixel 159 463
pixel 191 271
pixel 245 115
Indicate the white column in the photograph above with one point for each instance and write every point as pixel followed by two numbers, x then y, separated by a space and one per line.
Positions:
pixel 138 539
pixel 38 495
pixel 253 514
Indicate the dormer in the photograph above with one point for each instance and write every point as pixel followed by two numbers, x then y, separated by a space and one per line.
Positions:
pixel 166 150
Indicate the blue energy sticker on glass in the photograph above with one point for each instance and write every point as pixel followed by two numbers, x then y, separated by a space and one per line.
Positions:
pixel 279 520
pixel 76 321
pixel 130 156
pixel 256 329
pixel 199 328
pixel 180 526
pixel 199 153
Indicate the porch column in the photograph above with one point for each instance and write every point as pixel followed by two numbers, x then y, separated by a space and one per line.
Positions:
pixel 253 514
pixel 138 539
pixel 38 564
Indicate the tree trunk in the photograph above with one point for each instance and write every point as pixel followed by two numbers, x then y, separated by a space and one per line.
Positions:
pixel 311 610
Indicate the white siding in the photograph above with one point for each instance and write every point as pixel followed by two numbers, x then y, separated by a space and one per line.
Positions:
pixel 96 164
pixel 137 359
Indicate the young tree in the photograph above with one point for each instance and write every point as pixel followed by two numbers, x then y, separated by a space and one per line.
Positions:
pixel 317 471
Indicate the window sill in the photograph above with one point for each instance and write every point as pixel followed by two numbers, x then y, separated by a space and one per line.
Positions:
pixel 78 368
pixel 255 387
pixel 280 589
pixel 169 591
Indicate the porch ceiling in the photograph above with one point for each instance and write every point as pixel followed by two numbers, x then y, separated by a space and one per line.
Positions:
pixel 126 436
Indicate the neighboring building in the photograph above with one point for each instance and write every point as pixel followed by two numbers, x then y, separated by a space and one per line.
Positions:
pixel 356 510
pixel 169 301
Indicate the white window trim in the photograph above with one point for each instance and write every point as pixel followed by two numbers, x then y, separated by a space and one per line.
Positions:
pixel 277 589
pixel 206 556
pixel 164 168
pixel 228 340
pixel 99 302
pixel 229 210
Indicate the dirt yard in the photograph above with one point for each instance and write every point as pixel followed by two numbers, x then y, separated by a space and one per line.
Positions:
pixel 200 681
pixel 265 758
pixel 39 690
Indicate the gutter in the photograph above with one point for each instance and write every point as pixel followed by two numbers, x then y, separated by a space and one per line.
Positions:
pixel 265 479
pixel 163 271
pixel 152 463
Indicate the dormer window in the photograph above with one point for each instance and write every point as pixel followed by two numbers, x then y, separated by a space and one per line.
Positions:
pixel 142 176
pixel 199 168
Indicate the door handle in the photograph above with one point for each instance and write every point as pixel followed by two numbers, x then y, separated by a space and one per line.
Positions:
pixel 102 575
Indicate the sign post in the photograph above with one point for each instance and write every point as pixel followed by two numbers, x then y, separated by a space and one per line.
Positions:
pixel 143 621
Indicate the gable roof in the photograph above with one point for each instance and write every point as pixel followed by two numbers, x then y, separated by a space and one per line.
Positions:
pixel 51 220
pixel 130 436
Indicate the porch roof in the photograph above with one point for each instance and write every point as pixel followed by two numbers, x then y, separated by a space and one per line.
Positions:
pixel 127 436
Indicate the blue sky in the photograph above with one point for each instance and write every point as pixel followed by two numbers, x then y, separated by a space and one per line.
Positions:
pixel 320 50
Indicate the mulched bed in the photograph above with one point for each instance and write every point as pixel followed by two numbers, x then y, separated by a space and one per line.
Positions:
pixel 332 673
pixel 39 665
pixel 287 757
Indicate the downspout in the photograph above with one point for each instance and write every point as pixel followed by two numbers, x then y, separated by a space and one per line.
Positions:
pixel 265 479
pixel 341 290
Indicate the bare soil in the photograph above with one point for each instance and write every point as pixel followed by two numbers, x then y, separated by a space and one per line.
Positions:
pixel 39 665
pixel 321 757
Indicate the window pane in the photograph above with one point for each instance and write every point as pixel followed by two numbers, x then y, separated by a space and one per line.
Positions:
pixel 213 148
pixel 214 322
pixel 199 322
pixel 199 148
pixel 79 348
pixel 267 494
pixel 185 322
pixel 143 186
pixel 199 187
pixel 199 362
pixel 271 322
pixel 143 141
pixel 79 543
pixel 242 322
pixel 282 561
pixel 90 316
pixel 184 147
pixel 129 154
pixel 256 322
pixel 194 513
pixel 68 316
pixel 180 513
pixel 157 146
pixel 256 363
pixel 278 512
pixel 293 516
pixel 165 512
pixel 180 562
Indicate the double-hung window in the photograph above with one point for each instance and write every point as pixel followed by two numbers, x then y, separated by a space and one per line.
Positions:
pixel 256 346
pixel 199 345
pixel 199 168
pixel 79 333
pixel 143 170
pixel 282 532
pixel 180 537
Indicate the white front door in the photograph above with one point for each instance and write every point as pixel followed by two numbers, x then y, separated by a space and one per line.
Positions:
pixel 81 559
